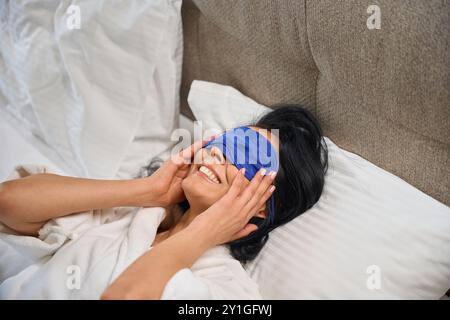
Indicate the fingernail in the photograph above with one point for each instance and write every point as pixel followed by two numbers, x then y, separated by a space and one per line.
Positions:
pixel 243 170
pixel 272 189
pixel 273 174
pixel 263 172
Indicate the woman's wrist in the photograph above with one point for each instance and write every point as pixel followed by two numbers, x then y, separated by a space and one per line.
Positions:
pixel 142 193
pixel 204 235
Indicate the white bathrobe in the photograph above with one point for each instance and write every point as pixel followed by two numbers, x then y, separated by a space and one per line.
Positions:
pixel 79 256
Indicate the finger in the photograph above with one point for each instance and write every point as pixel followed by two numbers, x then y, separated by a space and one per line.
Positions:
pixel 236 185
pixel 259 193
pixel 190 151
pixel 184 157
pixel 251 211
pixel 183 172
pixel 254 185
pixel 249 228
pixel 171 167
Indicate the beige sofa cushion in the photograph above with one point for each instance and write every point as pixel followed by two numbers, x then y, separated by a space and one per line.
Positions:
pixel 383 94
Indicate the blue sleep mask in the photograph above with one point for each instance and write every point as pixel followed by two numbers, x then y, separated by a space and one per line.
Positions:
pixel 246 148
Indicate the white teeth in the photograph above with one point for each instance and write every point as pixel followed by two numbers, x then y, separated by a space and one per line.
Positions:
pixel 211 176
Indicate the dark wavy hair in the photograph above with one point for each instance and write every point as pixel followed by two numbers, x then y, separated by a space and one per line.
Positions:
pixel 301 175
pixel 300 179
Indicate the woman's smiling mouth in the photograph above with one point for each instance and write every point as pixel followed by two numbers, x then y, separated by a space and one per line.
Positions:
pixel 208 174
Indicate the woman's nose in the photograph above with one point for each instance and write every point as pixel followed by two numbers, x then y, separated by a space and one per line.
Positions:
pixel 217 155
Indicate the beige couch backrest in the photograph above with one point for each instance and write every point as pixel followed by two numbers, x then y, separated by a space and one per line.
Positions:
pixel 380 87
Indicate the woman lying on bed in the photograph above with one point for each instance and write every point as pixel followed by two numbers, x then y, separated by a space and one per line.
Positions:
pixel 218 199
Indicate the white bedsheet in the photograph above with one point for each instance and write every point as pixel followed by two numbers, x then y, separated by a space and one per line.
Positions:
pixel 15 149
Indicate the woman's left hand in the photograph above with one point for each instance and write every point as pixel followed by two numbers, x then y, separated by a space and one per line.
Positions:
pixel 228 218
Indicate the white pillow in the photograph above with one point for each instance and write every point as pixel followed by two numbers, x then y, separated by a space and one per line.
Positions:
pixel 97 95
pixel 370 236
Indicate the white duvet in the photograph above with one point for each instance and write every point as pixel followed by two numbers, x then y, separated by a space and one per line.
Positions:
pixel 78 256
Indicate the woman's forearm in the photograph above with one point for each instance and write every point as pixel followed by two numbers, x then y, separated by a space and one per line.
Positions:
pixel 41 197
pixel 147 277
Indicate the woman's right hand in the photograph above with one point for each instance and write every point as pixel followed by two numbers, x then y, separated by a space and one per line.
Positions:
pixel 228 218
pixel 164 186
